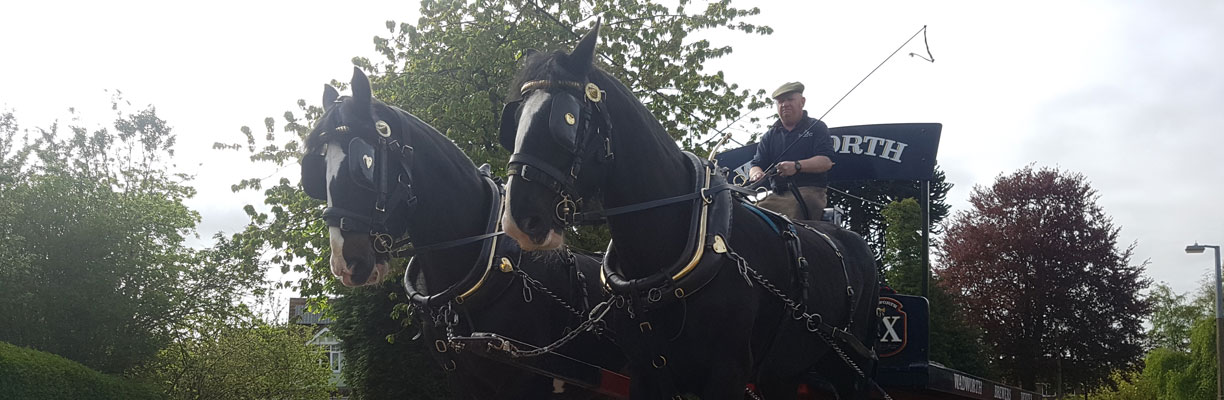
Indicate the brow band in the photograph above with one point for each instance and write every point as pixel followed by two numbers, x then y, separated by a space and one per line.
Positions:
pixel 533 85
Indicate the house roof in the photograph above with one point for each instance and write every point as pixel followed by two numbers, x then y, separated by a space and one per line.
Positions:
pixel 298 314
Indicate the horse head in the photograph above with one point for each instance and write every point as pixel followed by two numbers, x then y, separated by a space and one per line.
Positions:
pixel 557 126
pixel 353 161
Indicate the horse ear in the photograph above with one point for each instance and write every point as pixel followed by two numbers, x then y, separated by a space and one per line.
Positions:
pixel 526 53
pixel 329 97
pixel 583 56
pixel 362 94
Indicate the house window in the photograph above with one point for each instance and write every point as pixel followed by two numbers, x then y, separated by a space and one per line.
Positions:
pixel 335 359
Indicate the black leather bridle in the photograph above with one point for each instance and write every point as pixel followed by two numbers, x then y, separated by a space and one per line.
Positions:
pixel 574 124
pixel 384 168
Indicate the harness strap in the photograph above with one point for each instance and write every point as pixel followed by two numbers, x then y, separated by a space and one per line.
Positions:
pixel 845 273
pixel 599 215
pixel 761 215
pixel 530 167
pixel 652 352
pixel 347 220
pixel 799 262
pixel 846 337
pixel 412 251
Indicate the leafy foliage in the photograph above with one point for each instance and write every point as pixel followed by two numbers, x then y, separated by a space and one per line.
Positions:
pixel 903 246
pixel 954 342
pixel 1173 317
pixel 1172 374
pixel 372 324
pixel 94 266
pixel 1182 337
pixel 30 374
pixel 287 232
pixel 1198 379
pixel 863 203
pixel 242 359
pixel 1037 265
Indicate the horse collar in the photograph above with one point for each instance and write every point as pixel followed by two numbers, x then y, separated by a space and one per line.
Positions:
pixel 480 272
pixel 710 225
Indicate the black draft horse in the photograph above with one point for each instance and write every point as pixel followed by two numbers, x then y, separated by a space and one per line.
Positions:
pixel 703 315
pixel 386 174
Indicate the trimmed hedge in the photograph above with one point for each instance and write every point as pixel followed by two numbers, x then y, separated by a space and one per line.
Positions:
pixel 31 374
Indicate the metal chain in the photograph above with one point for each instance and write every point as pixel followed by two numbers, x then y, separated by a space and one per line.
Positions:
pixel 798 312
pixel 444 315
pixel 588 325
pixel 752 393
pixel 451 320
pixel 532 283
pixel 842 354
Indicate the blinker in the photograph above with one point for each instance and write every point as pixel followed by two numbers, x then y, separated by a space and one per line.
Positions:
pixel 361 163
pixel 314 181
pixel 562 122
pixel 509 125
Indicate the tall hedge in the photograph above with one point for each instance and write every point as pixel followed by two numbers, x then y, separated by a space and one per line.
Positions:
pixel 32 374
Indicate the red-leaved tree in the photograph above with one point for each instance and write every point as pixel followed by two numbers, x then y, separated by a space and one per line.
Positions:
pixel 1037 265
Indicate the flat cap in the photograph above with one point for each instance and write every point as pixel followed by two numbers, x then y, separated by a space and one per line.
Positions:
pixel 787 88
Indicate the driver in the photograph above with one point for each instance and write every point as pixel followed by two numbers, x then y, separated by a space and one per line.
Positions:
pixel 800 147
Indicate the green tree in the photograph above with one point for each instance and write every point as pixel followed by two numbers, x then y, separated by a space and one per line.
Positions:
pixel 903 246
pixel 451 70
pixel 1181 362
pixel 863 202
pixel 1198 379
pixel 371 324
pixel 954 342
pixel 1173 317
pixel 1171 374
pixel 242 358
pixel 94 265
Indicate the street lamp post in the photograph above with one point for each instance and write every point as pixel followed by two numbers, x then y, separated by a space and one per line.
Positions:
pixel 1219 300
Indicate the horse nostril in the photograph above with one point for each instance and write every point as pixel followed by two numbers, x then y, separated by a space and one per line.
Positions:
pixel 532 224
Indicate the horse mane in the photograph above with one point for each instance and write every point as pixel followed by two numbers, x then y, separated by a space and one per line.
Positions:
pixel 555 66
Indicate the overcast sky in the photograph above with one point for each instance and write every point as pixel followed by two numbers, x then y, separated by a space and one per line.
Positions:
pixel 1131 94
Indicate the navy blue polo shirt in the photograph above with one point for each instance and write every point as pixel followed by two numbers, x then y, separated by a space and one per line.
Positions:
pixel 813 140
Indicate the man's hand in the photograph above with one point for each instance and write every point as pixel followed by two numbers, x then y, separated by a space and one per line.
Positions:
pixel 787 168
pixel 755 174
